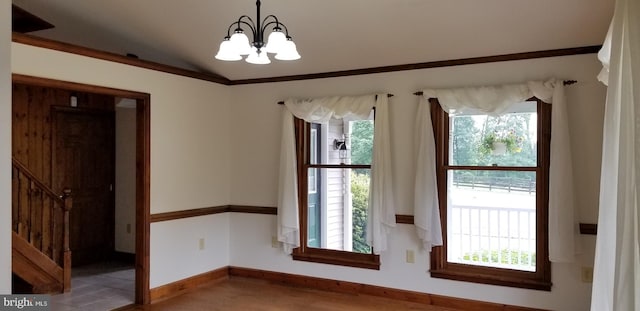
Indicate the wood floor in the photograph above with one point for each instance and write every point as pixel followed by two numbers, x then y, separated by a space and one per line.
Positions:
pixel 239 293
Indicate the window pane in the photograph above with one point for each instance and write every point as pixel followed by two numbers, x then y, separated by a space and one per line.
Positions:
pixel 337 215
pixel 314 144
pixel 361 136
pixel 491 218
pixel 346 142
pixel 507 140
pixel 314 155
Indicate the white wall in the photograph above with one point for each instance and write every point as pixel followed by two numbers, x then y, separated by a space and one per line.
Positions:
pixel 5 147
pixel 194 147
pixel 254 178
pixel 190 137
pixel 175 247
pixel 125 189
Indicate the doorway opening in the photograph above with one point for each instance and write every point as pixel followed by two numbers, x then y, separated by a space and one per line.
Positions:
pixel 125 223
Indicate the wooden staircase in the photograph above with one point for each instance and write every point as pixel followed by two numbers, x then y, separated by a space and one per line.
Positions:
pixel 40 239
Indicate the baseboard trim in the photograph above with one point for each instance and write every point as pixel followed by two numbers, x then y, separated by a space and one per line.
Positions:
pixel 365 289
pixel 186 285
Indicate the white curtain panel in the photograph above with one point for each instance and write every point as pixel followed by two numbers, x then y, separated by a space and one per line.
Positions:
pixel 616 282
pixel 288 224
pixel 381 214
pixel 322 110
pixel 494 100
pixel 426 212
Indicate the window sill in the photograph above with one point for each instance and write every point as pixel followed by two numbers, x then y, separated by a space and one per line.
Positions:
pixel 493 279
pixel 373 263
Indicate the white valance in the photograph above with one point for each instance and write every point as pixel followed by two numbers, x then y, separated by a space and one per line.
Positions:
pixel 495 100
pixel 381 211
pixel 319 110
pixel 492 100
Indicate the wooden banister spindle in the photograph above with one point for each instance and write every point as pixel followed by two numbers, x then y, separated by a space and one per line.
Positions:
pixel 41 216
pixel 15 206
pixel 30 219
pixel 68 204
pixel 52 230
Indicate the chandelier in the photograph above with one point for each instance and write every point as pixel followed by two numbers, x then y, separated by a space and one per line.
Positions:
pixel 233 47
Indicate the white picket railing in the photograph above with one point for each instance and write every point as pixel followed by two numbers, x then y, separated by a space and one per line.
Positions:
pixel 502 237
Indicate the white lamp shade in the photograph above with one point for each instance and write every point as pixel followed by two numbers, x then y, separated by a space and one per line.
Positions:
pixel 276 41
pixel 288 51
pixel 227 52
pixel 240 43
pixel 259 59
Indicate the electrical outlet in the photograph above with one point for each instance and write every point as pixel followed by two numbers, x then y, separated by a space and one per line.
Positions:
pixel 129 228
pixel 587 274
pixel 410 256
pixel 274 242
pixel 201 243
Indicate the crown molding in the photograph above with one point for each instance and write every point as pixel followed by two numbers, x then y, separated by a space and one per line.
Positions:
pixel 80 50
pixel 85 51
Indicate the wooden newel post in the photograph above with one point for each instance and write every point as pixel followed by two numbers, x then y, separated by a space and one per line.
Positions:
pixel 68 203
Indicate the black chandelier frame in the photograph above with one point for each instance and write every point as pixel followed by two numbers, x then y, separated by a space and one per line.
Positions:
pixel 257 30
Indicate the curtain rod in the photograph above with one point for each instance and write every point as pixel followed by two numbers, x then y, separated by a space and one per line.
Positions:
pixel 565 82
pixel 388 95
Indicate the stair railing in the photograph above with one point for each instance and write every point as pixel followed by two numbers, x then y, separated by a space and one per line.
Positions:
pixel 41 217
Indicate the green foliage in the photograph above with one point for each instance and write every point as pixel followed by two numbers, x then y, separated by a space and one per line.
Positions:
pixel 513 142
pixel 472 141
pixel 509 257
pixel 514 130
pixel 361 142
pixel 360 200
pixel 464 138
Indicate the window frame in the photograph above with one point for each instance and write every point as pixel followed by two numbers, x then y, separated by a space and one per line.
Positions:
pixel 440 266
pixel 313 254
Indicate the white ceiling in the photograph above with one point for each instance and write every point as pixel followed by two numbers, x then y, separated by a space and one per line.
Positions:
pixel 331 35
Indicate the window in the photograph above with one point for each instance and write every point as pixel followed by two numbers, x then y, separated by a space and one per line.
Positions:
pixel 334 169
pixel 492 175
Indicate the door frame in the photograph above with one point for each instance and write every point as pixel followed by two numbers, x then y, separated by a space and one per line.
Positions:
pixel 143 150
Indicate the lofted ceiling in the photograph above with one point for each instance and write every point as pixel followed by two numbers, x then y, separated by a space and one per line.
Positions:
pixel 331 35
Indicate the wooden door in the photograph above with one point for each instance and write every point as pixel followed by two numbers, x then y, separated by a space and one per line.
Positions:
pixel 83 159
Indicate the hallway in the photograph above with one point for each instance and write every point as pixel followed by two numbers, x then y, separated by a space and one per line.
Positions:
pixel 100 286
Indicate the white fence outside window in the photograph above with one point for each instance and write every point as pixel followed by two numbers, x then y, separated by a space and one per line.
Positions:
pixel 493 227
